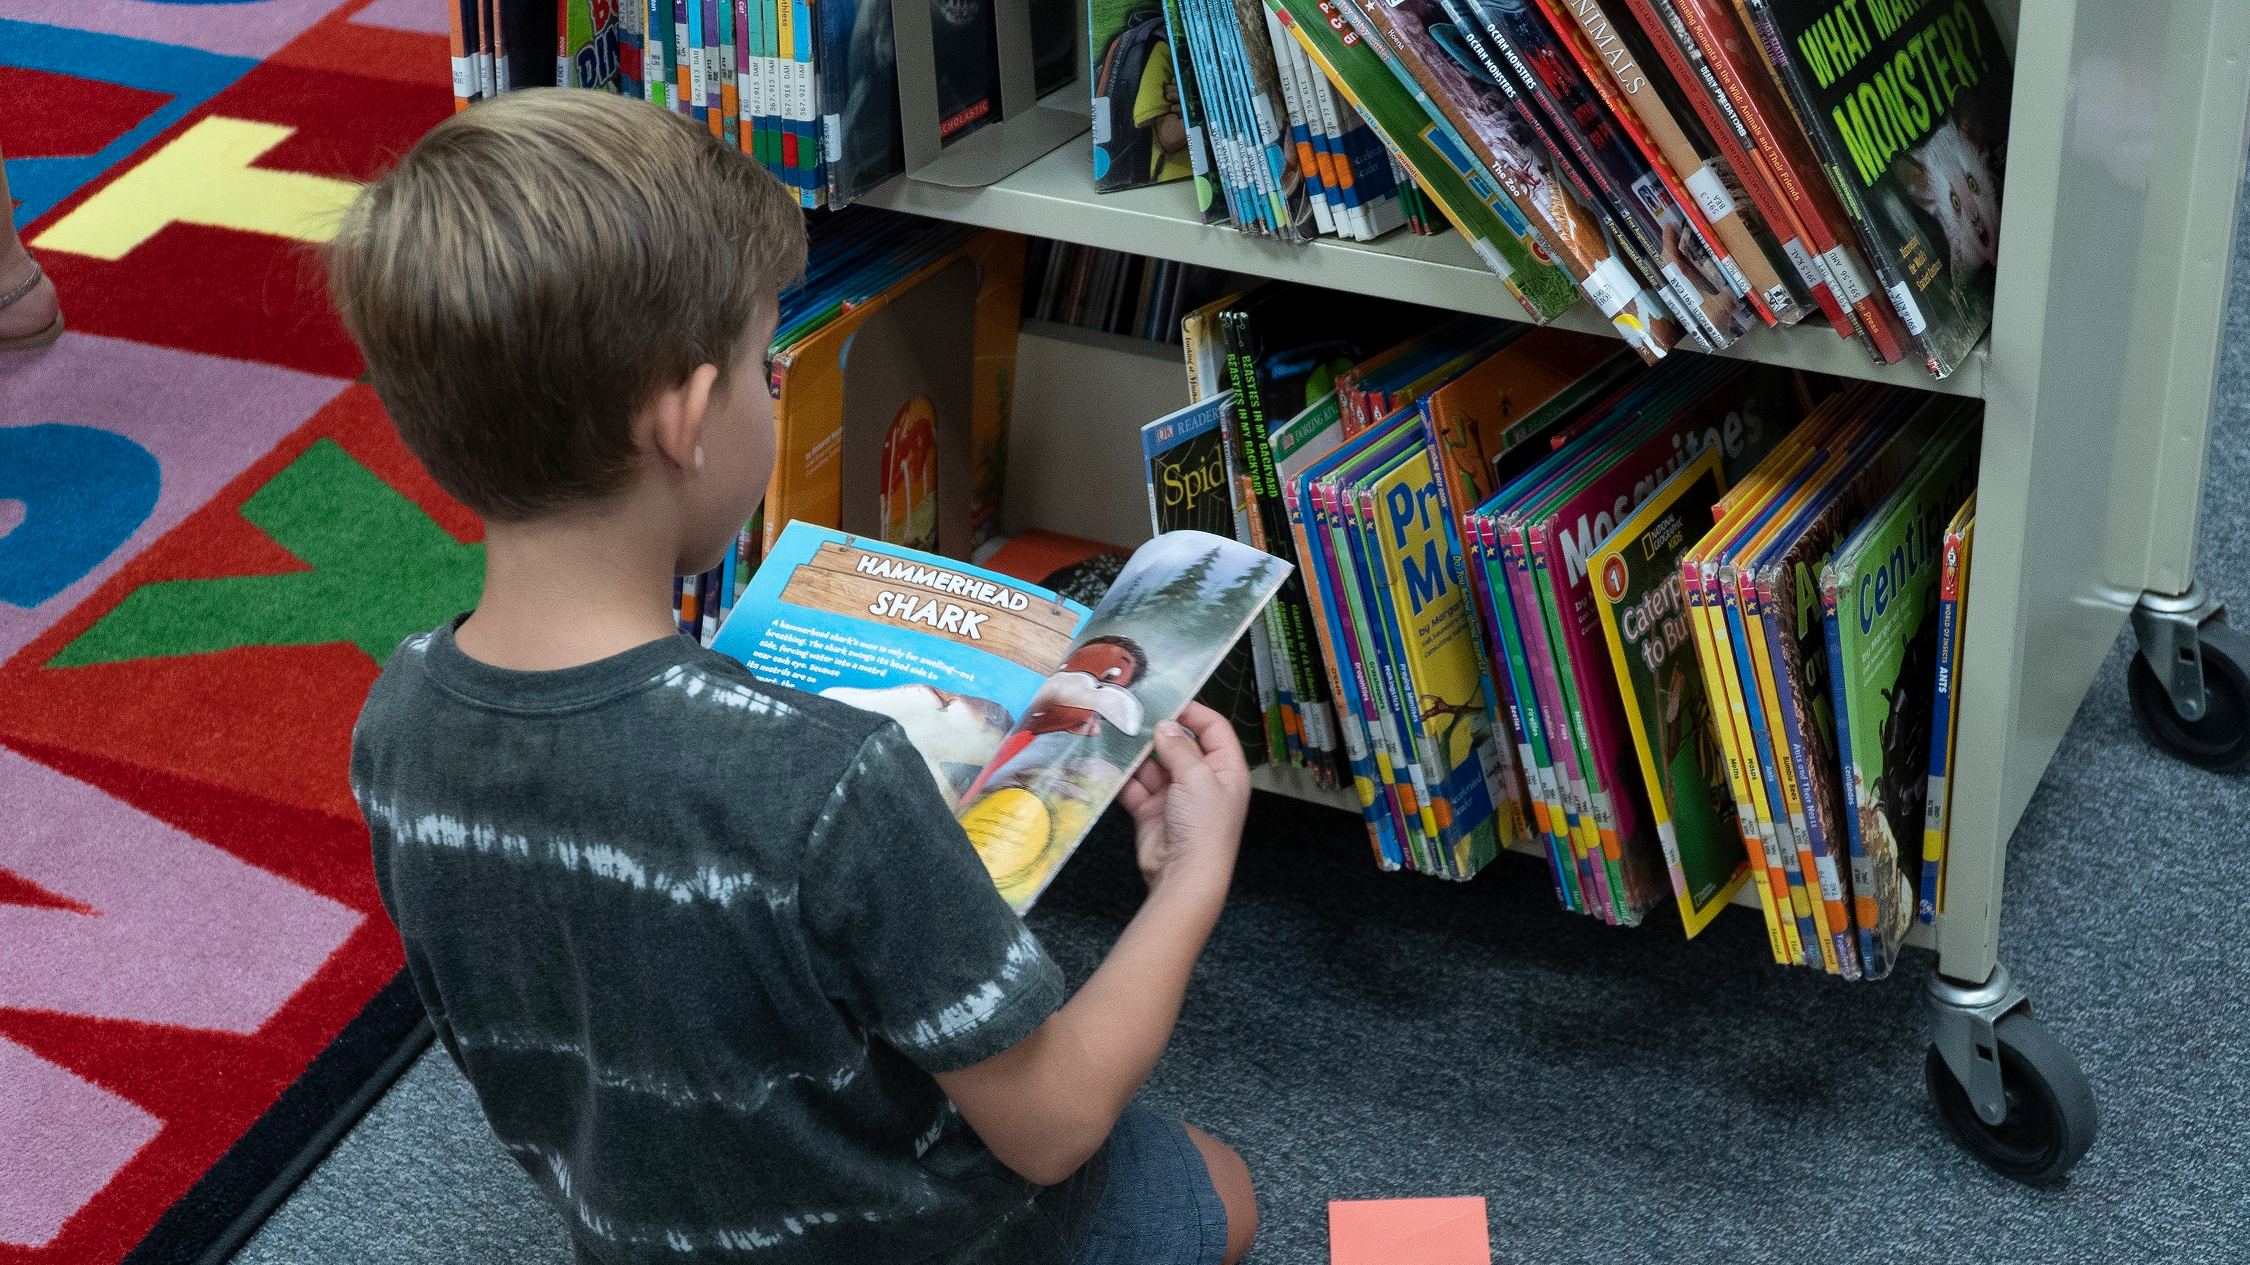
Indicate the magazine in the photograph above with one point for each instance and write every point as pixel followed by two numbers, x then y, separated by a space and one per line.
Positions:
pixel 1029 709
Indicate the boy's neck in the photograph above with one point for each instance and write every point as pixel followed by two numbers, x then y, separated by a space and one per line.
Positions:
pixel 569 589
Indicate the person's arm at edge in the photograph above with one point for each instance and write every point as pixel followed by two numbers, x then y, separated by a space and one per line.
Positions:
pixel 1045 1105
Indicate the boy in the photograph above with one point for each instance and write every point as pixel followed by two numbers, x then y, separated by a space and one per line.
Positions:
pixel 727 977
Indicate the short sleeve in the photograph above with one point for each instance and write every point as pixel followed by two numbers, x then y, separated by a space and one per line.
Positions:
pixel 908 932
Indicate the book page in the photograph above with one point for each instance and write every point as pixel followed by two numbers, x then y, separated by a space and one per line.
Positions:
pixel 1170 617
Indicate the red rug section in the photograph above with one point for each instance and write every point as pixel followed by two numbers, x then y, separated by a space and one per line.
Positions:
pixel 207 1087
pixel 99 113
pixel 251 296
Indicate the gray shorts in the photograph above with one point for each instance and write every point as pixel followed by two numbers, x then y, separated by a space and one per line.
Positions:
pixel 1159 1207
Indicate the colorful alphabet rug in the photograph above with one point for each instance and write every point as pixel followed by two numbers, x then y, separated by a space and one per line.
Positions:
pixel 210 539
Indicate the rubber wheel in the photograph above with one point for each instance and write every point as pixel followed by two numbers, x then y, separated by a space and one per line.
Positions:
pixel 2051 1117
pixel 2220 741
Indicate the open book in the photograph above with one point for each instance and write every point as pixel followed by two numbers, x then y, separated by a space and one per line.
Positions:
pixel 1030 710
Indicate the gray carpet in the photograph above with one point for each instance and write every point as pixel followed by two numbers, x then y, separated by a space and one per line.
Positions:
pixel 1614 1096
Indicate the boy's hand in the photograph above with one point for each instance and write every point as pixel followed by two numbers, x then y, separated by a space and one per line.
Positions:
pixel 1188 801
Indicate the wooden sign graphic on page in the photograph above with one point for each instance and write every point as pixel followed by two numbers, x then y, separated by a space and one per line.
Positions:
pixel 1408 1232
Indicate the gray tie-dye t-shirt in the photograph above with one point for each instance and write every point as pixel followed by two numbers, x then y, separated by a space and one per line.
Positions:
pixel 699 943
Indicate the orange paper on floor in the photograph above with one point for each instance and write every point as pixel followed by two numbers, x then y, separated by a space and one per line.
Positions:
pixel 1408 1232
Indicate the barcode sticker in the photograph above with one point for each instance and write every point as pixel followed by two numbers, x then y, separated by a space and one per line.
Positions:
pixel 1903 299
pixel 1492 258
pixel 1710 194
pixel 1847 277
pixel 1610 286
pixel 1802 260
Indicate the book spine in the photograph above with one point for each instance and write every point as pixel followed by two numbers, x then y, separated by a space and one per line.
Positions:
pixel 1303 675
pixel 459 30
pixel 1701 196
pixel 1710 654
pixel 1660 21
pixel 1539 658
pixel 1523 714
pixel 1942 728
pixel 1711 28
pixel 1879 247
pixel 1354 736
pixel 1586 150
pixel 1785 655
pixel 1865 913
pixel 1400 824
pixel 1786 821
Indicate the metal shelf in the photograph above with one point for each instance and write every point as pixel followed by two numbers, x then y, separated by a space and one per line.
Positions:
pixel 1054 197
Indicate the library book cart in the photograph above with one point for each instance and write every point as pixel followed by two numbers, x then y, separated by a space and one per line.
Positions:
pixel 2125 156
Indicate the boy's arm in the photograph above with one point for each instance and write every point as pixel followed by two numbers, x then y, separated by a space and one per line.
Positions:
pixel 1046 1104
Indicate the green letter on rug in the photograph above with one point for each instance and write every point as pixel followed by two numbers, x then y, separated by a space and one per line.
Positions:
pixel 381 571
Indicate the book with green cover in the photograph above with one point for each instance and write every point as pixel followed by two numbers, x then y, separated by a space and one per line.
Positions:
pixel 1644 620
pixel 1879 598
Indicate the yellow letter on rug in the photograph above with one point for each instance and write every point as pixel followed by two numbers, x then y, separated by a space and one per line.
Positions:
pixel 204 177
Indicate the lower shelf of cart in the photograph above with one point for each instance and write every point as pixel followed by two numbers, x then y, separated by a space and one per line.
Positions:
pixel 1297 784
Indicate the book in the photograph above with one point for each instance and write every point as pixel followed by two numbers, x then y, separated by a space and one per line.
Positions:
pixel 1879 601
pixel 1029 710
pixel 1706 192
pixel 1729 55
pixel 1655 238
pixel 1907 111
pixel 1644 620
pixel 908 358
pixel 1183 454
pixel 1140 133
pixel 1453 178
pixel 1945 712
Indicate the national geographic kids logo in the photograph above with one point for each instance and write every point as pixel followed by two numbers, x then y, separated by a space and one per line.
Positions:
pixel 1613 578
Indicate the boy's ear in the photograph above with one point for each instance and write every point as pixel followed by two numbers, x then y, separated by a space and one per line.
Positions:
pixel 672 422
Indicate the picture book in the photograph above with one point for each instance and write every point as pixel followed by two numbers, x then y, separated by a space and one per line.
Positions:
pixel 1705 191
pixel 1439 164
pixel 1147 648
pixel 1492 409
pixel 909 391
pixel 1449 692
pixel 1879 597
pixel 1667 37
pixel 1029 710
pixel 1945 712
pixel 1473 103
pixel 1664 247
pixel 858 85
pixel 1644 620
pixel 1140 131
pixel 1731 56
pixel 1183 454
pixel 1907 109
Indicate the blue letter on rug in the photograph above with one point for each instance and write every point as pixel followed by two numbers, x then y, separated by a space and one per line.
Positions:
pixel 84 491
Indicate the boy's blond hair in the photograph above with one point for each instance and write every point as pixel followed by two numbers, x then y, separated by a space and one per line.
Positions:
pixel 539 265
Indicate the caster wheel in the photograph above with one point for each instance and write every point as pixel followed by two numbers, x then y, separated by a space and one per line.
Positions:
pixel 2051 1115
pixel 2220 741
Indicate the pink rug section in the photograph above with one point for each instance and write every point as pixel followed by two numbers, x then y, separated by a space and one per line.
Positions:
pixel 256 29
pixel 204 418
pixel 182 932
pixel 65 1139
pixel 425 17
